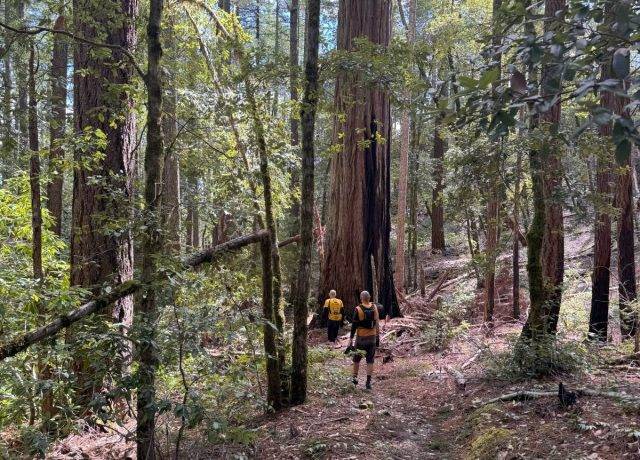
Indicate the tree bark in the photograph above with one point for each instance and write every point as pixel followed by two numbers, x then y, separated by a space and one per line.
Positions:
pixel 403 175
pixel 515 260
pixel 358 224
pixel 171 171
pixel 599 315
pixel 21 112
pixel 437 201
pixel 294 124
pixel 493 200
pixel 102 186
pixel 57 125
pixel 546 247
pixel 44 370
pixel 308 118
pixel 147 312
pixel 8 142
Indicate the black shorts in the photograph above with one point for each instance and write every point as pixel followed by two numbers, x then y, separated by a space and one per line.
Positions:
pixel 333 328
pixel 366 345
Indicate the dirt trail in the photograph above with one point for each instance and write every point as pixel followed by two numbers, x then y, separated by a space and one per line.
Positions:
pixel 416 411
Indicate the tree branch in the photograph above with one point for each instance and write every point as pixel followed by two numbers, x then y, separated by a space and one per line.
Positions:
pixel 118 292
pixel 40 30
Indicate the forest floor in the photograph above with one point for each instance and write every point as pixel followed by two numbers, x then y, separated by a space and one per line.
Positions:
pixel 417 410
pixel 420 408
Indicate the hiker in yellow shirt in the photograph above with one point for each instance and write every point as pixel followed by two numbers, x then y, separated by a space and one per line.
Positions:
pixel 334 308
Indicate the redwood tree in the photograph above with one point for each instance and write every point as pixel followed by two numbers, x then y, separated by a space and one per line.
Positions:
pixel 102 183
pixel 545 265
pixel 358 219
pixel 58 101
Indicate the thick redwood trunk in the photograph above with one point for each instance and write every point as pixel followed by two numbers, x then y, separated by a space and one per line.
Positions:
pixel 358 224
pixel 58 101
pixel 102 186
pixel 599 316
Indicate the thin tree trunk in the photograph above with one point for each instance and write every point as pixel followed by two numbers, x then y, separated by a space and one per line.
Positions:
pixel 546 251
pixel 294 125
pixel 21 84
pixel 515 261
pixel 308 118
pixel 147 316
pixel 403 175
pixel 171 179
pixel 270 339
pixel 44 370
pixel 437 202
pixel 493 200
pixel 57 125
pixel 7 97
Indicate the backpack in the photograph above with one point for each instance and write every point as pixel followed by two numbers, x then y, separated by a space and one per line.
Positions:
pixel 369 317
pixel 335 307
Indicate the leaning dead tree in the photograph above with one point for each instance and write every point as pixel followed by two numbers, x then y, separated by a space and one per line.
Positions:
pixel 118 292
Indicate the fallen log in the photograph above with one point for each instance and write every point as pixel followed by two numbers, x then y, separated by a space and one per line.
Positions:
pixel 461 381
pixel 118 292
pixel 529 395
pixel 625 359
pixel 288 241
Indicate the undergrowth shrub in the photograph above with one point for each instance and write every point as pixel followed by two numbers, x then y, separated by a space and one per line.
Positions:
pixel 447 321
pixel 550 356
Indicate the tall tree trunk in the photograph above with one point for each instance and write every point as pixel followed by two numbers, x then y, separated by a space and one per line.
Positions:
pixel 599 316
pixel 152 241
pixel 44 370
pixel 413 203
pixel 57 125
pixel 403 175
pixel 270 339
pixel 21 84
pixel 102 187
pixel 515 260
pixel 624 191
pixel 294 125
pixel 493 200
pixel 437 202
pixel 308 118
pixel 626 254
pixel 225 5
pixel 8 142
pixel 358 224
pixel 546 251
pixel 171 171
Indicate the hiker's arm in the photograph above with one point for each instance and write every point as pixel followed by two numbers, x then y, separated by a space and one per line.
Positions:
pixel 354 326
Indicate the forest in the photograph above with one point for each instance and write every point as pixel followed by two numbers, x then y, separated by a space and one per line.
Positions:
pixel 204 202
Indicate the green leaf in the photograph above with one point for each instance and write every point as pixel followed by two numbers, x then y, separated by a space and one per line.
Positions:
pixel 488 77
pixel 623 151
pixel 467 82
pixel 621 62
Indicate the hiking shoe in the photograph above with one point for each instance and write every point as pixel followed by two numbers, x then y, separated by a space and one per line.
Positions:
pixel 354 381
pixel 368 386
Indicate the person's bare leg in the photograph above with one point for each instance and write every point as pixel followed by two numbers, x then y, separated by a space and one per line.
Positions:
pixel 356 368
